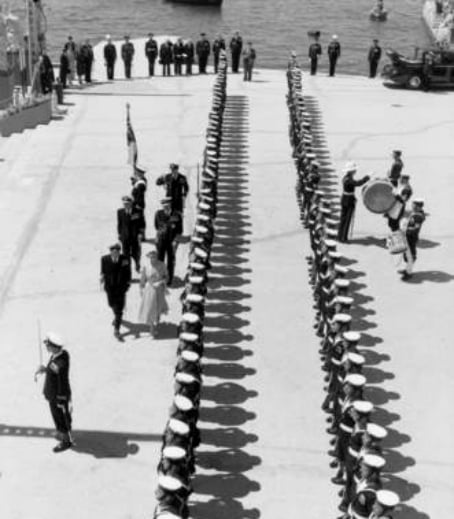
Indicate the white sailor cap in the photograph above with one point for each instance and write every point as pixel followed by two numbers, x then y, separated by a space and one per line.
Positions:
pixel 185 378
pixel 209 171
pixel 167 515
pixel 200 253
pixel 349 167
pixel 329 231
pixel 320 192
pixel 211 153
pixel 203 217
pixel 190 356
pixel 190 317
pixel 204 206
pixel 195 280
pixel 183 403
pixel 325 210
pixel 310 155
pixel 201 229
pixel 54 339
pixel 376 431
pixel 172 452
pixel 355 380
pixel 197 266
pixel 355 358
pixel 387 498
pixel 331 244
pixel 340 269
pixel 194 298
pixel 342 283
pixel 206 190
pixel 342 318
pixel 207 198
pixel 363 406
pixel 351 336
pixel 374 461
pixel 169 482
pixel 343 300
pixel 331 222
pixel 197 239
pixel 179 427
pixel 419 201
pixel 189 337
pixel 212 138
pixel 334 254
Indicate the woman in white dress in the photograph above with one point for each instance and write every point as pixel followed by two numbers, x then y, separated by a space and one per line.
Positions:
pixel 153 282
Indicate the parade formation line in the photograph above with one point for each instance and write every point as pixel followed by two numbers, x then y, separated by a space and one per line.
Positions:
pixel 263 440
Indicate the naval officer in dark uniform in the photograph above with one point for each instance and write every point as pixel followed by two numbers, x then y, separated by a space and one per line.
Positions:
pixel 57 390
pixel 203 49
pixel 374 57
pixel 168 225
pixel 334 52
pixel 151 53
pixel 115 279
pixel 348 200
pixel 127 54
pixel 110 57
pixel 130 229
pixel 315 50
pixel 177 187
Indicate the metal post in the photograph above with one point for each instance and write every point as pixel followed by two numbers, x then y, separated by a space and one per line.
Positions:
pixel 29 41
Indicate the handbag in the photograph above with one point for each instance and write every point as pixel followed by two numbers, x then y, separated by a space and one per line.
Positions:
pixel 397 242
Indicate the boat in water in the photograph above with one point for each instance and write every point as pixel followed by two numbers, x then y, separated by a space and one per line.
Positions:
pixel 198 2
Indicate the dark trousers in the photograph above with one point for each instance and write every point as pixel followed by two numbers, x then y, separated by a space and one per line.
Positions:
pixel 132 249
pixel 110 67
pixel 188 68
pixel 235 61
pixel 61 415
pixel 166 69
pixel 373 65
pixel 164 248
pixel 128 65
pixel 88 67
pixel 345 223
pixel 117 302
pixel 393 224
pixel 177 68
pixel 314 63
pixel 248 66
pixel 332 66
pixel 203 60
pixel 412 241
pixel 63 79
pixel 216 63
pixel 151 66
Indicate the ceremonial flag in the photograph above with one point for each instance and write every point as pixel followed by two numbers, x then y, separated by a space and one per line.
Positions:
pixel 130 140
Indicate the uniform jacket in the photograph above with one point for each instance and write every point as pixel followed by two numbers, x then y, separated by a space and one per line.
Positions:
pixel 176 188
pixel 218 45
pixel 189 51
pixel 178 51
pixel 374 53
pixel 236 45
pixel 127 51
pixel 165 53
pixel 396 169
pixel 334 49
pixel 203 48
pixel 167 225
pixel 349 184
pixel 110 53
pixel 315 50
pixel 116 276
pixel 138 191
pixel 129 226
pixel 87 52
pixel 56 383
pixel 151 49
pixel 249 54
pixel 415 221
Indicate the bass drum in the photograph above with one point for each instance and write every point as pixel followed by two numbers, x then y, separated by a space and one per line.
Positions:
pixel 378 196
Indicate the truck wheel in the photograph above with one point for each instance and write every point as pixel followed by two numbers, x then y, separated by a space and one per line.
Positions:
pixel 414 82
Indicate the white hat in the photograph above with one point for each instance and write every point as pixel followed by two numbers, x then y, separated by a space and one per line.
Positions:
pixel 197 266
pixel 387 498
pixel 331 244
pixel 185 378
pixel 350 166
pixel 363 406
pixel 189 337
pixel 293 54
pixel 200 253
pixel 194 298
pixel 351 336
pixel 201 229
pixel 183 403
pixel 418 201
pixel 179 427
pixel 334 37
pixel 173 452
pixel 355 380
pixel 342 318
pixel 374 461
pixel 343 300
pixel 195 280
pixel 376 431
pixel 203 217
pixel 167 515
pixel 342 283
pixel 334 254
pixel 328 231
pixel 54 339
pixel 190 356
pixel 169 482
pixel 204 206
pixel 190 317
pixel 355 358
pixel 197 239
pixel 341 269
pixel 108 36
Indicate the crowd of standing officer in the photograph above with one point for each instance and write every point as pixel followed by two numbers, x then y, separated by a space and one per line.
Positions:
pixel 178 57
pixel 356 440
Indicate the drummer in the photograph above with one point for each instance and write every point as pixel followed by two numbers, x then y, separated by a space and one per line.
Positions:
pixel 396 168
pixel 348 200
pixel 402 194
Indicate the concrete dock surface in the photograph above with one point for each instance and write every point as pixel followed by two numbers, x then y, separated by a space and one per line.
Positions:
pixel 264 445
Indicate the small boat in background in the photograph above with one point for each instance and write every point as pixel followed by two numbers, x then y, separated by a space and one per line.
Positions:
pixel 198 2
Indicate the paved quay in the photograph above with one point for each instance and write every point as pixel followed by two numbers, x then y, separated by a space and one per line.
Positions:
pixel 263 451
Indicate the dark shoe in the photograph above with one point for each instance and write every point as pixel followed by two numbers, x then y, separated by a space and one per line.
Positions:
pixel 62 446
pixel 332 453
pixel 332 441
pixel 334 464
pixel 406 276
pixel 331 430
pixel 329 419
pixel 338 480
pixel 343 507
pixel 117 333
